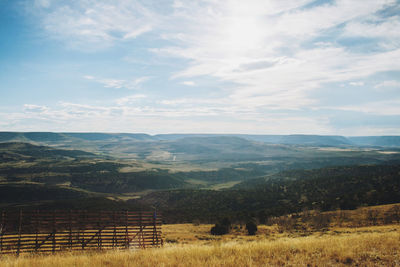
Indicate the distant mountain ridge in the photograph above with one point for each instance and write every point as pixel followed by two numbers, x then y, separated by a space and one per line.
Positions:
pixel 295 139
pixel 16 150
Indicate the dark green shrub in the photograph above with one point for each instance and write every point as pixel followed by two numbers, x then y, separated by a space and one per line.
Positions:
pixel 251 227
pixel 221 228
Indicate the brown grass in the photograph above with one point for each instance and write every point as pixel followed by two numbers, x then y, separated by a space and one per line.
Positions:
pixel 350 239
pixel 193 246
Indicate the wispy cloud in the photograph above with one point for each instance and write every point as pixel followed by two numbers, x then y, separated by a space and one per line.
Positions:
pixel 393 84
pixel 374 28
pixel 125 117
pixel 253 63
pixel 89 77
pixel 356 83
pixel 42 3
pixel 92 25
pixel 35 108
pixel 385 107
pixel 117 84
pixel 129 99
pixel 189 83
pixel 273 54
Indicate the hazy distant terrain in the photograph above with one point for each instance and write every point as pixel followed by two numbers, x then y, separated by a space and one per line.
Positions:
pixel 261 174
pixel 319 140
pixel 204 147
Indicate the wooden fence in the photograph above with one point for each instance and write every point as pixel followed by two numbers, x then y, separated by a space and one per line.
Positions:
pixel 51 231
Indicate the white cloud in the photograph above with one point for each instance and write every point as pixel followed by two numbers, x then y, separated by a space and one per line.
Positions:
pixel 193 102
pixel 88 77
pixel 137 32
pixel 66 116
pixel 130 99
pixel 266 57
pixel 189 83
pixel 356 83
pixel 92 25
pixel 267 53
pixel 42 3
pixel 117 83
pixel 387 29
pixel 262 46
pixel 308 22
pixel 112 83
pixel 35 108
pixel 388 84
pixel 386 108
pixel 136 82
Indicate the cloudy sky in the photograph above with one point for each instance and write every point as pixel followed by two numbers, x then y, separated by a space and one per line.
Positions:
pixel 201 66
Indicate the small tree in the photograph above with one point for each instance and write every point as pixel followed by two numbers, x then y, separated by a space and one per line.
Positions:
pixel 319 221
pixel 395 213
pixel 285 223
pixel 262 217
pixel 372 217
pixel 251 227
pixel 221 228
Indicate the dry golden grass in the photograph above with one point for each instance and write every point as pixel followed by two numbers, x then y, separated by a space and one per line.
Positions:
pixel 193 246
pixel 350 241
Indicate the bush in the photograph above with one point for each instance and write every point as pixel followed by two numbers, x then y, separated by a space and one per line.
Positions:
pixel 221 228
pixel 196 222
pixel 285 223
pixel 251 227
pixel 320 221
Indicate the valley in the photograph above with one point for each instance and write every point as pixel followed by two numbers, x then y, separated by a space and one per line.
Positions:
pixel 198 177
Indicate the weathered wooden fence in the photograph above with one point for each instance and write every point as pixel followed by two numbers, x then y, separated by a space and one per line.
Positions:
pixel 51 231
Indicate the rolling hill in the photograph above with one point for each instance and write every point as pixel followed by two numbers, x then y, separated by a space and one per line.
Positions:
pixel 326 189
pixel 297 139
pixel 179 174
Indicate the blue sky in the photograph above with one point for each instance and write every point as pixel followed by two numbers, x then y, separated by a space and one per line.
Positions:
pixel 257 66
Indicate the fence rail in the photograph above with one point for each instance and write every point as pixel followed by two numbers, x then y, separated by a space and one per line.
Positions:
pixel 51 231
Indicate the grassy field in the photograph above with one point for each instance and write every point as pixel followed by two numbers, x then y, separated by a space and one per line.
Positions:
pixel 351 238
pixel 191 245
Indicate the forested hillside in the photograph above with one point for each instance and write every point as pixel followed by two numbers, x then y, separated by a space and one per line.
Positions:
pixel 325 189
pixel 208 176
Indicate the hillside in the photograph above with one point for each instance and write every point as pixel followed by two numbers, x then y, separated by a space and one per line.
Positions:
pixel 287 192
pixel 26 194
pixel 382 141
pixel 71 139
pixel 369 246
pixel 30 174
pixel 191 161
pixel 217 151
pixel 250 177
pixel 17 151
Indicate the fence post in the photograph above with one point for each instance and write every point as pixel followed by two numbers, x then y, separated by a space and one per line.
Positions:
pixel 78 226
pixel 141 240
pixel 36 229
pixel 70 229
pixel 84 228
pixel 99 227
pixel 126 230
pixel 2 229
pixel 115 231
pixel 54 231
pixel 19 232
pixel 154 226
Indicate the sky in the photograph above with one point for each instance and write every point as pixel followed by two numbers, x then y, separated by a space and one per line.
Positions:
pixel 201 66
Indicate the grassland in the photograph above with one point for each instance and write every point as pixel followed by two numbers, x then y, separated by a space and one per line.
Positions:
pixel 138 175
pixel 366 246
pixel 358 239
